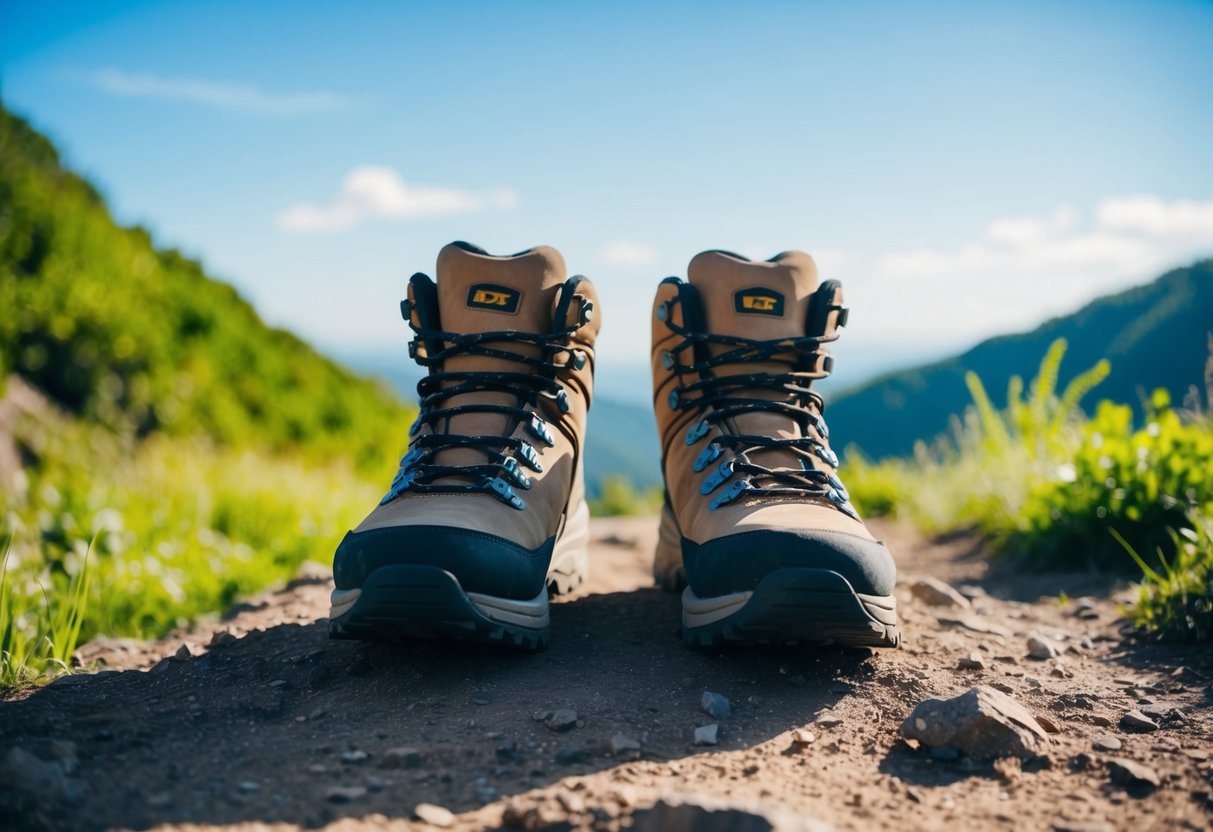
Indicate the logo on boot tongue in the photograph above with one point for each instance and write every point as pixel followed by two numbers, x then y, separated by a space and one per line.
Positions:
pixel 494 298
pixel 758 302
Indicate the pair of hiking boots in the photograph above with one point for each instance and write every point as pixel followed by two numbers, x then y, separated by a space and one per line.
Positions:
pixel 488 512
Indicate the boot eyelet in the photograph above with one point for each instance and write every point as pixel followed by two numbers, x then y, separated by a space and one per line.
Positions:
pixel 734 491
pixel 706 457
pixel 578 360
pixel 515 473
pixel 528 455
pixel 501 489
pixel 717 477
pixel 539 429
pixel 827 456
pixel 675 400
pixel 663 311
pixel 586 313
pixel 400 484
pixel 667 360
pixel 406 309
pixel 562 402
pixel 697 432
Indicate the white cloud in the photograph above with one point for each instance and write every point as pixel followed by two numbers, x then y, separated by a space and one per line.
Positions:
pixel 220 95
pixel 1150 216
pixel 1128 234
pixel 1020 270
pixel 628 253
pixel 370 192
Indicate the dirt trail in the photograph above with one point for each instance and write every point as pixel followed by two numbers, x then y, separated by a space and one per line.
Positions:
pixel 274 724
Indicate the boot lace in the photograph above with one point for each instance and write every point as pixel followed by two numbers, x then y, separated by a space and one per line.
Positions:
pixel 506 456
pixel 716 398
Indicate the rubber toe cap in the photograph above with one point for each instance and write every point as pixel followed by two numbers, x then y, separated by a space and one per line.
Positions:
pixel 737 563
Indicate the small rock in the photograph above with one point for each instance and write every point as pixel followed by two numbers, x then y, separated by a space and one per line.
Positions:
pixel 569 754
pixel 354 756
pixel 935 593
pixel 1107 744
pixel 973 661
pixel 975 624
pixel 706 734
pixel 1135 722
pixel 1085 609
pixel 715 705
pixel 828 719
pixel 1041 648
pixel 344 794
pixel 1135 778
pixel 403 757
pixel 46 782
pixel 623 745
pixel 562 720
pixel 434 815
pixel 1049 725
pixel 183 654
pixel 981 723
pixel 803 737
pixel 222 639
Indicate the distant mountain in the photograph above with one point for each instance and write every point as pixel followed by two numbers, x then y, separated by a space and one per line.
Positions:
pixel 1154 335
pixel 140 339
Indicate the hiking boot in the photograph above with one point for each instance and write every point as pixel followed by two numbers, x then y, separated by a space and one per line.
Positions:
pixel 757 526
pixel 487 511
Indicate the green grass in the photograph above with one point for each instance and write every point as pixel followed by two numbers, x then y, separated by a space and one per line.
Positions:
pixel 106 535
pixel 1060 489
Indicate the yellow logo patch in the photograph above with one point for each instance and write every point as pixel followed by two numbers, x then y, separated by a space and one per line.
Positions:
pixel 758 302
pixel 494 298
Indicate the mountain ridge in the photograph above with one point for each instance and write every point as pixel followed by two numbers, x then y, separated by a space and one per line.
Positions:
pixel 1154 335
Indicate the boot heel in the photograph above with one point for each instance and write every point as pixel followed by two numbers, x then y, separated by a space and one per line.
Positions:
pixel 571 558
pixel 667 560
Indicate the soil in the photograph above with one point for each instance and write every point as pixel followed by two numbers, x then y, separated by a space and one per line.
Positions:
pixel 256 718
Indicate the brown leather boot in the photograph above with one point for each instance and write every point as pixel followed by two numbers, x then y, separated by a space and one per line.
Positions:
pixel 757 525
pixel 487 512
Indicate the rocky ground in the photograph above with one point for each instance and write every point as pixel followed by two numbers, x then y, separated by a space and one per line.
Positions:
pixel 1062 718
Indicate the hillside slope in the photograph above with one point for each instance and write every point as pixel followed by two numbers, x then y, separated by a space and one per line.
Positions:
pixel 140 339
pixel 1154 335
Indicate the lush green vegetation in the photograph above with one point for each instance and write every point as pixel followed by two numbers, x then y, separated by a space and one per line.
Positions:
pixel 141 340
pixel 1061 489
pixel 109 535
pixel 183 452
pixel 618 498
pixel 1153 335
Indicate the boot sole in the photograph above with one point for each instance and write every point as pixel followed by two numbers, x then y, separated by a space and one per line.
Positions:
pixel 428 603
pixel 792 606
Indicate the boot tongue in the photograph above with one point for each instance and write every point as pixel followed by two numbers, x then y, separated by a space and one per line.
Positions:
pixel 759 300
pixel 478 292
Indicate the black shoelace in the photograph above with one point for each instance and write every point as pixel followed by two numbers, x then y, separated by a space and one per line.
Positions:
pixel 506 456
pixel 717 398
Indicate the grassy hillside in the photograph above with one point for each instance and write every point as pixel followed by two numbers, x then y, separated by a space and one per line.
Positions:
pixel 162 450
pixel 1154 336
pixel 141 340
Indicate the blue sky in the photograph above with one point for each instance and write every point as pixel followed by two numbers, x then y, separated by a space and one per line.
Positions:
pixel 964 168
